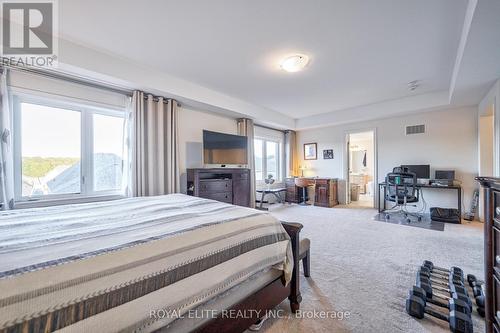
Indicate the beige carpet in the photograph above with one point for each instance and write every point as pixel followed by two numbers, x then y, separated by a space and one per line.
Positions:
pixel 366 267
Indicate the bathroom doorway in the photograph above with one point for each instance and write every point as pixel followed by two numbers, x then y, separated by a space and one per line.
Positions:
pixel 361 169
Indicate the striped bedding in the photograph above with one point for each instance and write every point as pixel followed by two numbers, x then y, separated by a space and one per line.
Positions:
pixel 106 266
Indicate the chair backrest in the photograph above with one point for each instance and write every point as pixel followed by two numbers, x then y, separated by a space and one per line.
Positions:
pixel 303 182
pixel 401 184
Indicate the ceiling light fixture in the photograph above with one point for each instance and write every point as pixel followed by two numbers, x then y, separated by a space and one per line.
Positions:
pixel 294 63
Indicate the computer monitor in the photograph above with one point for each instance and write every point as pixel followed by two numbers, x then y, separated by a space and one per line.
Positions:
pixel 445 174
pixel 422 171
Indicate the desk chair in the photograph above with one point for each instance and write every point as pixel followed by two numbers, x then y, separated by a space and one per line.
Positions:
pixel 303 183
pixel 402 190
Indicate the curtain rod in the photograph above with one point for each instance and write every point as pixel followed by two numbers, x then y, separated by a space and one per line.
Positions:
pixel 270 128
pixel 156 98
pixel 70 78
pixel 78 80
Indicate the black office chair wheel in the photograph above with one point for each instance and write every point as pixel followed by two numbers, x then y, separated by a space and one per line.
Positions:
pixel 408 220
pixel 387 216
pixel 419 219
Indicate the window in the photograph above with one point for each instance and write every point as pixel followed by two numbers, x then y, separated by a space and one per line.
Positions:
pixel 267 159
pixel 65 150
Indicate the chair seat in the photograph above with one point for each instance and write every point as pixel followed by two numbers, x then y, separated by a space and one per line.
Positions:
pixel 304 246
pixel 401 200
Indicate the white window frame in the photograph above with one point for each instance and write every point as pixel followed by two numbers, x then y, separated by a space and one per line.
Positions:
pixel 87 194
pixel 279 160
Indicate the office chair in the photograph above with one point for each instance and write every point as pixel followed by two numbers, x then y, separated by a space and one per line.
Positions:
pixel 402 190
pixel 303 183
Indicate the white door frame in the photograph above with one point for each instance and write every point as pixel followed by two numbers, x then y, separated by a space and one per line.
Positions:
pixel 375 163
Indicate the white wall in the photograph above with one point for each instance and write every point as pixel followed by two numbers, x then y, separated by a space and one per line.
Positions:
pixel 493 98
pixel 450 142
pixel 191 126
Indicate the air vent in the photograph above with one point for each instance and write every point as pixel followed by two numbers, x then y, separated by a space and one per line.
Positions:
pixel 415 129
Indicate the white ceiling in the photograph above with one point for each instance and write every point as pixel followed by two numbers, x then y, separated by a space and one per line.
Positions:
pixel 362 52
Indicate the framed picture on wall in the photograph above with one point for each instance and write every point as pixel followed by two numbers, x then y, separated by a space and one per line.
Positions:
pixel 310 151
pixel 328 154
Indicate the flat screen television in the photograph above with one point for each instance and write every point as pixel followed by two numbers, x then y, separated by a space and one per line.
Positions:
pixel 224 149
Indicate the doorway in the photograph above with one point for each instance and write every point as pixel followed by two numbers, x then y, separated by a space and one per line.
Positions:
pixel 486 149
pixel 361 169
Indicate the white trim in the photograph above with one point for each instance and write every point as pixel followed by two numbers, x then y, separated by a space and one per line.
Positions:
pixel 345 163
pixel 86 150
pixel 279 160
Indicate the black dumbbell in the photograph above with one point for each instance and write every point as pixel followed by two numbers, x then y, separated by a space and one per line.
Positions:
pixel 442 301
pixel 431 294
pixel 440 283
pixel 456 276
pixel 459 321
pixel 454 269
pixel 471 278
pixel 450 289
pixel 441 279
pixel 477 289
pixel 475 284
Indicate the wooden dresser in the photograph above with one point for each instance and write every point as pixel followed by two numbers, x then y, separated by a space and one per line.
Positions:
pixel 491 191
pixel 325 193
pixel 231 185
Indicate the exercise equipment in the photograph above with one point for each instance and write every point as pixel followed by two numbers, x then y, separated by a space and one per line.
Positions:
pixel 477 286
pixel 452 288
pixel 432 268
pixel 429 293
pixel 459 322
pixel 451 279
pixel 442 301
pixel 456 274
pixel 477 289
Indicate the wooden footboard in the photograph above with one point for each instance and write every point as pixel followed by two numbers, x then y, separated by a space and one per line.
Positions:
pixel 266 298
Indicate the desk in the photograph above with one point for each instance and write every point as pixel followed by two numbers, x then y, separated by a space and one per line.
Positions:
pixel 457 188
pixel 325 191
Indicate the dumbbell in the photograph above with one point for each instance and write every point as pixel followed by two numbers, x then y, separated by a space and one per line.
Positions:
pixel 456 274
pixel 449 289
pixel 454 269
pixel 459 321
pixel 477 289
pixel 438 283
pixel 454 291
pixel 458 294
pixel 475 285
pixel 442 301
pixel 451 279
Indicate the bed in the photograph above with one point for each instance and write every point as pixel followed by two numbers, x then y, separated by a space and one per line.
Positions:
pixel 143 265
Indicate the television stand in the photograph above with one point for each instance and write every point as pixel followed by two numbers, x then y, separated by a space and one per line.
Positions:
pixel 230 185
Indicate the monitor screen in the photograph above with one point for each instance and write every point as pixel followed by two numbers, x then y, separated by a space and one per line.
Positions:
pixel 221 148
pixel 445 174
pixel 422 171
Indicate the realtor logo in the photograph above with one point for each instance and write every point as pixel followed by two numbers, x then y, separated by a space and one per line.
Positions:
pixel 29 32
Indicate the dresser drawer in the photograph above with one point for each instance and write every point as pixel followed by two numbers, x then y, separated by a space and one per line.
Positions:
pixel 496 294
pixel 220 196
pixel 241 175
pixel 496 248
pixel 215 185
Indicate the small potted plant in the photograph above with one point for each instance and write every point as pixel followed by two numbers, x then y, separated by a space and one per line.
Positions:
pixel 269 181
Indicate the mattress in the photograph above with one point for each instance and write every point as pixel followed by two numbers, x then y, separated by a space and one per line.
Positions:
pixel 107 266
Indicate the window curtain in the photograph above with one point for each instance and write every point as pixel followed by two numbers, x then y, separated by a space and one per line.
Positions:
pixel 246 128
pixel 155 154
pixel 291 156
pixel 6 151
